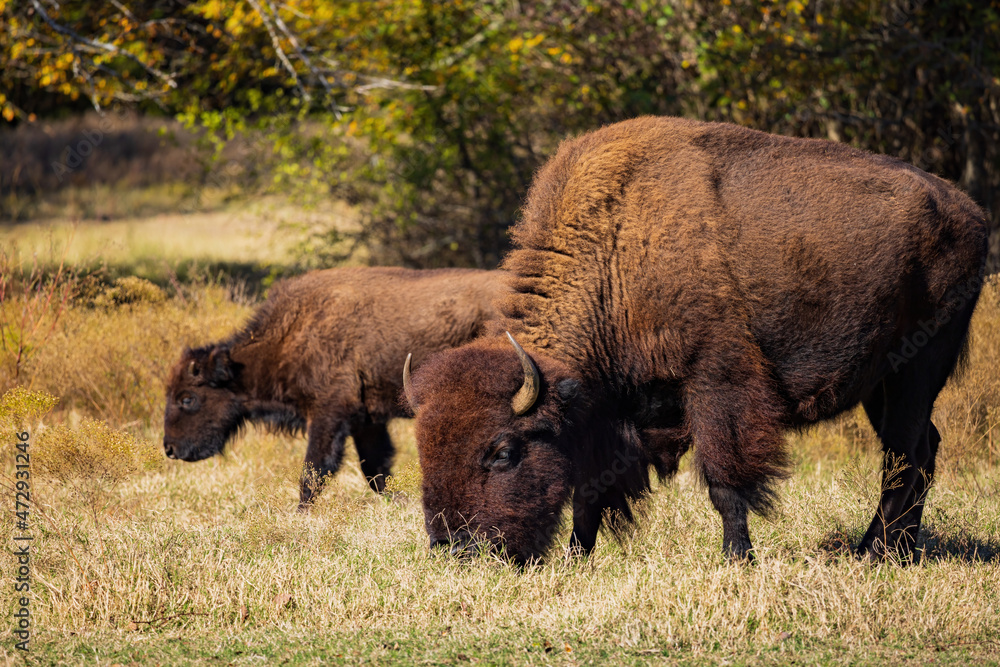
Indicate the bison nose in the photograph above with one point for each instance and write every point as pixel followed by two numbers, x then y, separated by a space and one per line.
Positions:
pixel 169 449
pixel 462 545
pixel 458 545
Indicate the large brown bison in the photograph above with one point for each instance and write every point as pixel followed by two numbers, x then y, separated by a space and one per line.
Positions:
pixel 679 283
pixel 322 354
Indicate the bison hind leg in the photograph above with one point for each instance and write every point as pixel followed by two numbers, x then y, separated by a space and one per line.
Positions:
pixel 375 450
pixel 900 409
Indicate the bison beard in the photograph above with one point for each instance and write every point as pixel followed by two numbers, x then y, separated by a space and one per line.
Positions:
pixel 680 284
pixel 322 354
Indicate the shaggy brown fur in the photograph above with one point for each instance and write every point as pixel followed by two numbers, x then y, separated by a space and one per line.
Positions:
pixel 681 283
pixel 323 354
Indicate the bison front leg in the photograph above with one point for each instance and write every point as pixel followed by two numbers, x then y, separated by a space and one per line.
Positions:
pixel 324 453
pixel 376 452
pixel 587 516
pixel 739 446
pixel 735 531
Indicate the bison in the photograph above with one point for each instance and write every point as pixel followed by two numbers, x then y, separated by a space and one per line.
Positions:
pixel 680 284
pixel 322 354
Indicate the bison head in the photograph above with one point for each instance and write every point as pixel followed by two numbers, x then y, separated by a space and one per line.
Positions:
pixel 492 434
pixel 203 406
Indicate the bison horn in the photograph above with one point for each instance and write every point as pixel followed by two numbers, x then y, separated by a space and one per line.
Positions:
pixel 528 393
pixel 407 385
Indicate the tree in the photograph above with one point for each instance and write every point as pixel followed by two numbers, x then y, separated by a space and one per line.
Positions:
pixel 436 113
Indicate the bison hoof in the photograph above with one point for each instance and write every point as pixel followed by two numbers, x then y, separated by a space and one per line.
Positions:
pixel 740 556
pixel 877 553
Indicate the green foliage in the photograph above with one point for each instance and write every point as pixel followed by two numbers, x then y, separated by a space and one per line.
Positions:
pixel 434 115
pixel 908 78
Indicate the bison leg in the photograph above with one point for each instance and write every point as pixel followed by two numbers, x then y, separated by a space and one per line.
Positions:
pixel 735 532
pixel 323 456
pixel 735 421
pixel 900 409
pixel 376 452
pixel 909 444
pixel 587 516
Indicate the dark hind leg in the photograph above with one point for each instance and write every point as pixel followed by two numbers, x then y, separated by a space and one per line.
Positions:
pixel 324 452
pixel 376 453
pixel 900 410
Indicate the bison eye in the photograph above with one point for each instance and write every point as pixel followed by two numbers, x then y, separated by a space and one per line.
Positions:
pixel 501 457
pixel 189 403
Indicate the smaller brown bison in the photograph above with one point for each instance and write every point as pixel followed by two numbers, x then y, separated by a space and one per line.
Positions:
pixel 322 354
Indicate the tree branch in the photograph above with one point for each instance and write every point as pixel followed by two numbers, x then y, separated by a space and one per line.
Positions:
pixel 276 43
pixel 103 46
pixel 331 99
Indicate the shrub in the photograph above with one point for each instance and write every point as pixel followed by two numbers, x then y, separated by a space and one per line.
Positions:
pixel 93 454
pixel 20 407
pixel 130 289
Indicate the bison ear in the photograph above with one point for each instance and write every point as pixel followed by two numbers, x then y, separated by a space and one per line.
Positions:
pixel 219 367
pixel 567 390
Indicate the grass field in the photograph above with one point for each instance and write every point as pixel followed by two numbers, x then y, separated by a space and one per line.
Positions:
pixel 208 563
pixel 235 240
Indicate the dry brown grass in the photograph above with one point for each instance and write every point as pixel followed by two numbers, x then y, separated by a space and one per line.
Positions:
pixel 214 555
pixel 110 361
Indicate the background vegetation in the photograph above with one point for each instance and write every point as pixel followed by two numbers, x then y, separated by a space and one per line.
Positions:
pixel 433 115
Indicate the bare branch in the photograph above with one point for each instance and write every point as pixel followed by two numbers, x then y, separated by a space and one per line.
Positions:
pixel 375 82
pixel 103 46
pixel 305 59
pixel 124 10
pixel 276 43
